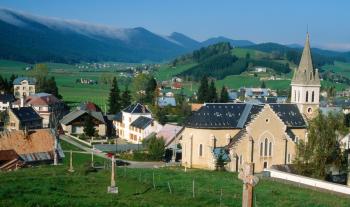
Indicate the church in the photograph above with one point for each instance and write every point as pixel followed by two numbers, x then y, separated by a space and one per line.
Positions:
pixel 262 134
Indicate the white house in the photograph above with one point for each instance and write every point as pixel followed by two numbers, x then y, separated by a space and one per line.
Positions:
pixel 24 86
pixel 6 101
pixel 135 123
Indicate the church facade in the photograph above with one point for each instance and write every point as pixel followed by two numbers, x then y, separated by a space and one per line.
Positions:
pixel 265 134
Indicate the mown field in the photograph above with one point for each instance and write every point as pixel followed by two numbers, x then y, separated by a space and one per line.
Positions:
pixel 55 186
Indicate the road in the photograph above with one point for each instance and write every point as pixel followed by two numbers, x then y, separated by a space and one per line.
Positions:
pixel 133 164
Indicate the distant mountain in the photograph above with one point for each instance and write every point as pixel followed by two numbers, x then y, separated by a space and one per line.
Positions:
pixel 235 43
pixel 31 38
pixel 294 45
pixel 184 41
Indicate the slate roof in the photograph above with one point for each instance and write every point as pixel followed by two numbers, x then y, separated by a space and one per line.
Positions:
pixel 4 98
pixel 222 116
pixel 117 117
pixel 25 114
pixel 31 81
pixel 67 119
pixel 39 99
pixel 290 134
pixel 289 114
pixel 142 122
pixel 136 108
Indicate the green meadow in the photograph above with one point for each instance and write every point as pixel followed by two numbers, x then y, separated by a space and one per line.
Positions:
pixel 49 185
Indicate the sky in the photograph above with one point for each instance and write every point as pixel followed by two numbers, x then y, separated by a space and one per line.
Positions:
pixel 282 21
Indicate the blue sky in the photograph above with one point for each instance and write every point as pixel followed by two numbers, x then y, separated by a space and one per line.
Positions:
pixel 257 20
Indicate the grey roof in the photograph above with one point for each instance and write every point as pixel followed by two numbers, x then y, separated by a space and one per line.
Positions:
pixel 4 98
pixel 289 114
pixel 115 117
pixel 136 108
pixel 290 134
pixel 77 113
pixel 31 81
pixel 166 101
pixel 222 116
pixel 141 122
pixel 25 114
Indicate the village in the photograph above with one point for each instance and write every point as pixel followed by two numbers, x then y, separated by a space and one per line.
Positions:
pixel 254 132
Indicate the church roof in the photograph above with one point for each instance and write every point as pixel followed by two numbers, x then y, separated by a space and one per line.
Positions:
pixel 305 73
pixel 237 115
pixel 222 116
pixel 136 108
pixel 142 122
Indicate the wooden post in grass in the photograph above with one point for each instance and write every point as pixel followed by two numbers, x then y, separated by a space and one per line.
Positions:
pixel 249 181
pixel 71 169
pixel 92 159
pixel 124 169
pixel 169 188
pixel 113 188
pixel 193 189
pixel 221 197
pixel 154 185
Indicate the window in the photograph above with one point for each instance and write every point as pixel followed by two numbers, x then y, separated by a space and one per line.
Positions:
pixel 288 160
pixel 307 96
pixel 313 96
pixel 261 149
pixel 297 139
pixel 265 151
pixel 298 96
pixel 240 159
pixel 309 110
pixel 295 95
pixel 270 149
pixel 200 150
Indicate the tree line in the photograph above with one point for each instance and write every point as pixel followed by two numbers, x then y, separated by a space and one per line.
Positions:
pixel 207 92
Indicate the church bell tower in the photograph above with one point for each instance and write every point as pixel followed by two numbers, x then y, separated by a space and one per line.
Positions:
pixel 306 84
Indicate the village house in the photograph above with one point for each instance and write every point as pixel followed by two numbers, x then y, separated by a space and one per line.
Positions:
pixel 45 104
pixel 176 85
pixel 73 123
pixel 23 118
pixel 27 147
pixel 6 101
pixel 135 123
pixel 166 101
pixel 263 134
pixel 23 86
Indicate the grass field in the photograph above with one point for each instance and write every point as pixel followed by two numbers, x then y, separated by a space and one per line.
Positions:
pixel 339 67
pixel 54 186
pixel 166 72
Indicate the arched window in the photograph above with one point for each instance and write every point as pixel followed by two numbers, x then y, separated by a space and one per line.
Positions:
pixel 313 96
pixel 240 159
pixel 307 96
pixel 288 158
pixel 298 96
pixel 200 150
pixel 265 151
pixel 261 149
pixel 270 149
pixel 295 95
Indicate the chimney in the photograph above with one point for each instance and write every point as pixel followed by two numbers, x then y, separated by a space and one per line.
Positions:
pixel 22 102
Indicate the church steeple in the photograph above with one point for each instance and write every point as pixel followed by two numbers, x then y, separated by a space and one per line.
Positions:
pixel 305 73
pixel 306 83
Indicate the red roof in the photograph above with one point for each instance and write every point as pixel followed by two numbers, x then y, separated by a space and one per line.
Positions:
pixel 177 85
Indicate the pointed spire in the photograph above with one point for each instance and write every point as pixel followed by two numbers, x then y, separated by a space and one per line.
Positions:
pixel 305 73
pixel 306 61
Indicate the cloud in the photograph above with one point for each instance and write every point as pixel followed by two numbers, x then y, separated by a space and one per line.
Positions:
pixel 336 46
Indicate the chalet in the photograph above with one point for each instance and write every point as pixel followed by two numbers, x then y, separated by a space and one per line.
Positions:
pixel 24 86
pixel 22 147
pixel 73 123
pixel 24 118
pixel 6 101
pixel 135 123
pixel 45 104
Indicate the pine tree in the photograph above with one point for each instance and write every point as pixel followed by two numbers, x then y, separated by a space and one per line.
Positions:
pixel 224 95
pixel 89 128
pixel 114 101
pixel 263 85
pixel 125 99
pixel 203 90
pixel 150 88
pixel 213 96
